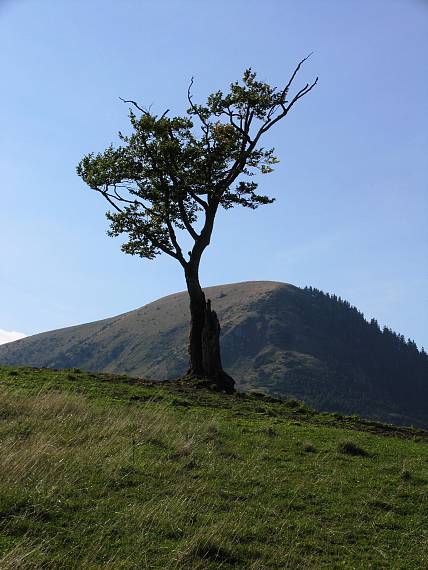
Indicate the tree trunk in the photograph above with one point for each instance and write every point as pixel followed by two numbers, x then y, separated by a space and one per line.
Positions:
pixel 204 340
pixel 197 319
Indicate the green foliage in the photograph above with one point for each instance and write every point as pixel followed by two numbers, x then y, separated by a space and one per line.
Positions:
pixel 116 473
pixel 171 171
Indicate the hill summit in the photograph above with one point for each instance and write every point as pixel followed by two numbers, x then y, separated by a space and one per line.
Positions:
pixel 276 337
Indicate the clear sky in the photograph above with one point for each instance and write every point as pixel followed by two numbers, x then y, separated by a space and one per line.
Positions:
pixel 352 205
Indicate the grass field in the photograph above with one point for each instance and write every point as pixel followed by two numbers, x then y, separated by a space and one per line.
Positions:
pixel 99 471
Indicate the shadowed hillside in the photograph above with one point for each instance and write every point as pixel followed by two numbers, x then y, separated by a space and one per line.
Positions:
pixel 275 337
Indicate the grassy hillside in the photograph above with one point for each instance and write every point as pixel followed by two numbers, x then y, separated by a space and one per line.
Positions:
pixel 100 471
pixel 275 337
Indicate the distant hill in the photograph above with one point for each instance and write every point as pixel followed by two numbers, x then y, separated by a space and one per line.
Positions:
pixel 275 337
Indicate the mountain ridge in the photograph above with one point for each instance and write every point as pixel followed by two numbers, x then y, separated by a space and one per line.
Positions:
pixel 276 337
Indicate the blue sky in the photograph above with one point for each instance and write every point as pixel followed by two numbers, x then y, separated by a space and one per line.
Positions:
pixel 351 187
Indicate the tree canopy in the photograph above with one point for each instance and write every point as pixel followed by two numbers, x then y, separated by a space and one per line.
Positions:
pixel 170 171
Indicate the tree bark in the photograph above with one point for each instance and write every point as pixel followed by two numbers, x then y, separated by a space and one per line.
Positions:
pixel 204 339
pixel 197 319
pixel 211 357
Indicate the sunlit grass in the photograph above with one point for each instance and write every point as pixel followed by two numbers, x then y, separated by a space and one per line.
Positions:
pixel 97 475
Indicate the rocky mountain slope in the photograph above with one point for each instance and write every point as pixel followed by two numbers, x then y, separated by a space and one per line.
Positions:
pixel 275 337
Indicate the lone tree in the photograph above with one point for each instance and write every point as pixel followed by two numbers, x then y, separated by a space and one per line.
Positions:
pixel 168 179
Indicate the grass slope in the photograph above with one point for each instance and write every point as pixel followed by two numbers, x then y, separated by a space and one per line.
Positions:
pixel 100 471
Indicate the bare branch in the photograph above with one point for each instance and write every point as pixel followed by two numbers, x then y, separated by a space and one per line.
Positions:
pixel 206 127
pixel 295 72
pixel 199 200
pixel 189 96
pixel 122 199
pixel 109 199
pixel 301 93
pixel 284 92
pixel 285 110
pixel 136 105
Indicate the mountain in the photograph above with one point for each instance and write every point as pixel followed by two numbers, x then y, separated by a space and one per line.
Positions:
pixel 276 338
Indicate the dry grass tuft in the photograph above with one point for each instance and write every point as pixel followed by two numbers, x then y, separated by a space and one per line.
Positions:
pixel 349 447
pixel 309 447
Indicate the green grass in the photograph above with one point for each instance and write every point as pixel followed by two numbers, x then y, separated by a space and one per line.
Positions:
pixel 98 471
